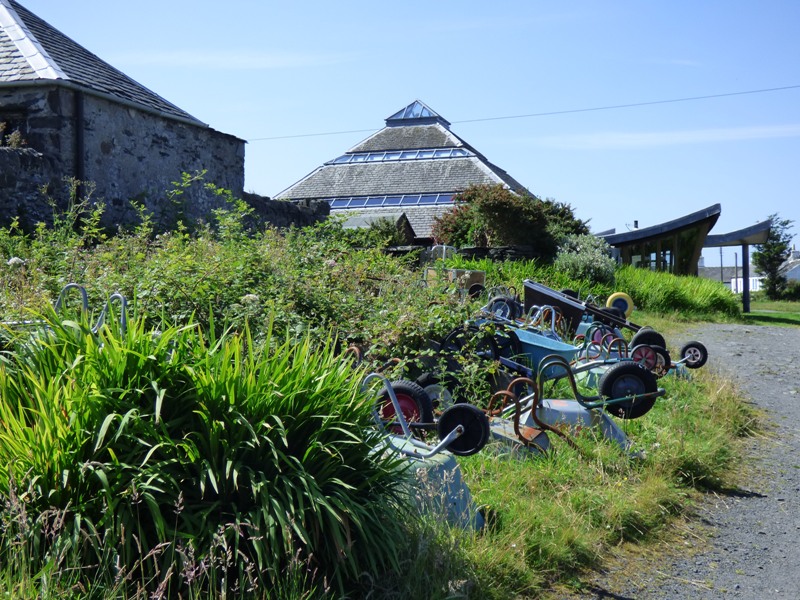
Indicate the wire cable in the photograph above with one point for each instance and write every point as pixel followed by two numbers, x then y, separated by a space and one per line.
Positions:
pixel 553 113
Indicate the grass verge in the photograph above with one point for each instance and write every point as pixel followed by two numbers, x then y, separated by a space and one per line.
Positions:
pixel 779 313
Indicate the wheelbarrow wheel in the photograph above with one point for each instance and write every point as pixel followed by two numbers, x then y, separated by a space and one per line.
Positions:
pixel 415 404
pixel 475 290
pixel 622 302
pixel 505 307
pixel 644 355
pixel 475 424
pixel 649 336
pixel 694 355
pixel 663 361
pixel 442 390
pixel 624 379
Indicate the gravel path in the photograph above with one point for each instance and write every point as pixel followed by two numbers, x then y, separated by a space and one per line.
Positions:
pixel 746 544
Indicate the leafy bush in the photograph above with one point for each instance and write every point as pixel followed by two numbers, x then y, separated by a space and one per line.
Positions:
pixel 182 462
pixel 792 291
pixel 492 215
pixel 587 258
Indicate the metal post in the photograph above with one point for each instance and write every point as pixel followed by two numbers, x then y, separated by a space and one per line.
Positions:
pixel 721 278
pixel 736 271
pixel 746 278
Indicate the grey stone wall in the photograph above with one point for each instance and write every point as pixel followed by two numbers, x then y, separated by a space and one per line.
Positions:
pixel 285 213
pixel 132 154
pixel 127 154
pixel 23 172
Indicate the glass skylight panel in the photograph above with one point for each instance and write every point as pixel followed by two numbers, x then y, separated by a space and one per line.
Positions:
pixel 422 154
pixel 379 201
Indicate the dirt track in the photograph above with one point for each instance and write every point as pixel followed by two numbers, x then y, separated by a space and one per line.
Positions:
pixel 746 544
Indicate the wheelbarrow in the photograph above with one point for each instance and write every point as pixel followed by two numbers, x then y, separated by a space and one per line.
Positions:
pixel 405 411
pixel 433 471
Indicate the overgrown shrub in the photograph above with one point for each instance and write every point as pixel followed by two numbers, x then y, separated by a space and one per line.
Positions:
pixel 492 215
pixel 586 258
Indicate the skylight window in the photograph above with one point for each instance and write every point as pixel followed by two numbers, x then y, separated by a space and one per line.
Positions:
pixel 379 201
pixel 421 154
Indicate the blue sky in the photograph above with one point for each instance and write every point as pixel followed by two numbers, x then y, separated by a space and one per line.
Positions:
pixel 274 73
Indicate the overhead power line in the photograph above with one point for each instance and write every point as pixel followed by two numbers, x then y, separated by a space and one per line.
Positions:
pixel 555 112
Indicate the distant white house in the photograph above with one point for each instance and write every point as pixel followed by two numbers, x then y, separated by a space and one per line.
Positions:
pixel 737 284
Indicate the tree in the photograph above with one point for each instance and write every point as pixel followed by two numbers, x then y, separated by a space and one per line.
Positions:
pixel 492 215
pixel 770 256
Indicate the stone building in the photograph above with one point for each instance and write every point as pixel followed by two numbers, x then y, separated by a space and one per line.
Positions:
pixel 81 118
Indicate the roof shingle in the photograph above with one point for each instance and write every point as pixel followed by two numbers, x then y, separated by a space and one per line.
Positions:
pixel 33 50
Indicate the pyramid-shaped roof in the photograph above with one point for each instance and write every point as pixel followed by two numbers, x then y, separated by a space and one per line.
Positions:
pixel 415 161
pixel 32 51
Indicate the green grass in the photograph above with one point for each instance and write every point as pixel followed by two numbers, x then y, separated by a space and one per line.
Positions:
pixel 779 313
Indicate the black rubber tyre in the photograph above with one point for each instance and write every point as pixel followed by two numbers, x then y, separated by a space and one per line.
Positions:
pixel 476 428
pixel 442 390
pixel 475 290
pixel 472 340
pixel 626 378
pixel 504 307
pixel 415 404
pixel 695 354
pixel 663 361
pixel 648 336
pixel 611 316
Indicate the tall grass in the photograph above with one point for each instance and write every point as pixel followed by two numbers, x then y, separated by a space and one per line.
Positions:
pixel 652 291
pixel 666 293
pixel 181 463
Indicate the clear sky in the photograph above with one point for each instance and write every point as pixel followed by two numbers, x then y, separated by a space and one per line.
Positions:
pixel 276 73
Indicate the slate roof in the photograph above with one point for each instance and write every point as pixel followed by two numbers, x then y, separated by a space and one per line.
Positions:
pixel 32 51
pixel 403 177
pixel 415 127
pixel 421 218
